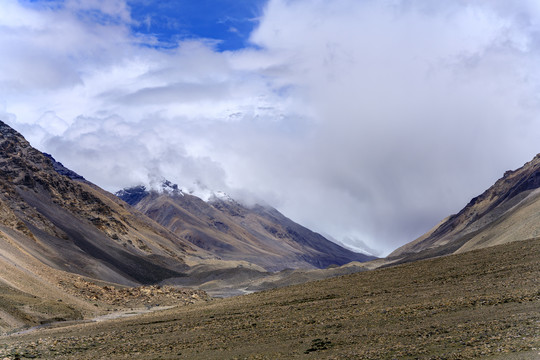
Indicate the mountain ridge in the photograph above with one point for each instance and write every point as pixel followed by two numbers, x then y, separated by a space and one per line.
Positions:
pixel 258 234
pixel 504 206
pixel 57 228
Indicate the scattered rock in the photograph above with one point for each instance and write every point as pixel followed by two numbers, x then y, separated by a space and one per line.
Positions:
pixel 134 296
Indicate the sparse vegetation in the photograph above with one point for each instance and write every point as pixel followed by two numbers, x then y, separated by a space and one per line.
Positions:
pixel 474 305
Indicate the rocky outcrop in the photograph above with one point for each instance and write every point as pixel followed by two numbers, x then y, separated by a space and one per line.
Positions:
pixel 152 295
pixel 133 195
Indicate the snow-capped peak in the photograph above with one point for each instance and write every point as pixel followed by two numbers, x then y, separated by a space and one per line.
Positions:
pixel 206 194
pixel 168 187
pixel 196 189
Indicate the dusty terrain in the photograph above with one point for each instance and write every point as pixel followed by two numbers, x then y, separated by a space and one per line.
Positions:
pixel 480 304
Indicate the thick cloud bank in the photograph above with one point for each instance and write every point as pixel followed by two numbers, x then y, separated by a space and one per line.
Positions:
pixel 368 121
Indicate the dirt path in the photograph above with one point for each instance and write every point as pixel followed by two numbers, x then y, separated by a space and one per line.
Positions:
pixel 107 317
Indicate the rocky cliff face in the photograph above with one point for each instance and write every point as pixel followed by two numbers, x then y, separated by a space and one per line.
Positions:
pixel 62 170
pixel 232 231
pixel 507 211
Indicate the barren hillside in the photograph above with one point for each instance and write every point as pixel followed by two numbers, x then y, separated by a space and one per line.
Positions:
pixel 507 211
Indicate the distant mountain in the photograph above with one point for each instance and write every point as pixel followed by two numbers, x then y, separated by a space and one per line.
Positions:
pixel 232 231
pixel 508 211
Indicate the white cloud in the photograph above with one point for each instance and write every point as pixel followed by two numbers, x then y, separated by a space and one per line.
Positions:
pixel 417 106
pixel 366 120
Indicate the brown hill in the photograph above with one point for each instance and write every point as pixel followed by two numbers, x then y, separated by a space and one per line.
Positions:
pixel 259 234
pixel 508 211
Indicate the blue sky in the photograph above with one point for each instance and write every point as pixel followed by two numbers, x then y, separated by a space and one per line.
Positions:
pixel 229 22
pixel 367 121
pixel 225 23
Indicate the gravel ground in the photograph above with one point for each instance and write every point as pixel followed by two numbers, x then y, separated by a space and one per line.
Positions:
pixel 481 304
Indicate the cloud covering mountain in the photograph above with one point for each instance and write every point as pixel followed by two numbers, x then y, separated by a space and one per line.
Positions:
pixel 368 121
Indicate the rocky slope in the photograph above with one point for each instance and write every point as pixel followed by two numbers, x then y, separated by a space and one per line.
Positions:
pixel 259 234
pixel 508 211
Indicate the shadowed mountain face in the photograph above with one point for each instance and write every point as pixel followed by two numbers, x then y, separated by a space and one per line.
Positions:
pixel 508 211
pixel 224 227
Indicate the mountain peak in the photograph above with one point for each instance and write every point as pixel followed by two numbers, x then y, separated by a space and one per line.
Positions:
pixel 132 195
pixel 218 224
pixel 220 196
pixel 170 188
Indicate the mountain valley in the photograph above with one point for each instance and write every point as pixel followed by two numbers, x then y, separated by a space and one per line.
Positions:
pixel 61 237
pixel 75 261
pixel 474 305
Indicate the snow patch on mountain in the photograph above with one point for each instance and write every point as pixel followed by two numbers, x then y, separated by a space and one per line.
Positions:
pixel 164 186
pixel 220 195
pixel 169 188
